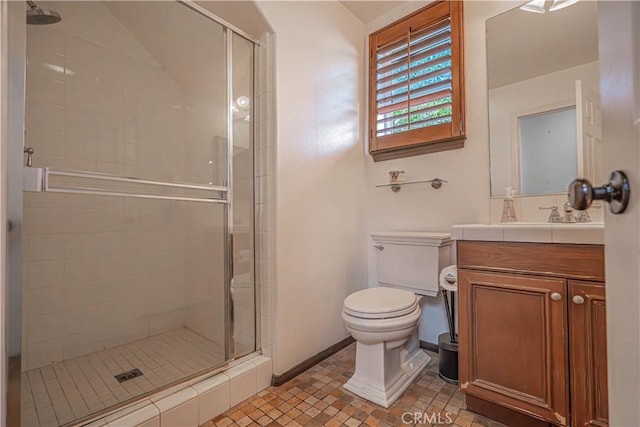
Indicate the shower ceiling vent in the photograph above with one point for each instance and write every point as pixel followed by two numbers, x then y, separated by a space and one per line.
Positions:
pixel 129 375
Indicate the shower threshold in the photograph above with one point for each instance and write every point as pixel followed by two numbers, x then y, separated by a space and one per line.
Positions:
pixel 69 390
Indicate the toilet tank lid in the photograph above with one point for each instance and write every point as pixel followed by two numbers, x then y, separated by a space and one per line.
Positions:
pixel 422 238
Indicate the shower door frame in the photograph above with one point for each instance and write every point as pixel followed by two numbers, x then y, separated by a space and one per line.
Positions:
pixel 229 31
pixel 13 138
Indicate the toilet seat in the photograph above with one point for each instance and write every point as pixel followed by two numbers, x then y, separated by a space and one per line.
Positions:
pixel 380 303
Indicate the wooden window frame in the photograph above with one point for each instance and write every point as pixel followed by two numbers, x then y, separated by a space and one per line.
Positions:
pixel 430 139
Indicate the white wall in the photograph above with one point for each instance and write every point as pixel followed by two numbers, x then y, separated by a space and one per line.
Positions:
pixel 465 198
pixel 319 174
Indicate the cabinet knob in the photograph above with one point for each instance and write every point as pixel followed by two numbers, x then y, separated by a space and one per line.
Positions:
pixel 379 247
pixel 578 299
pixel 556 296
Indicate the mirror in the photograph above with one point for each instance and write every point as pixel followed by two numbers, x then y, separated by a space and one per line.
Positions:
pixel 544 113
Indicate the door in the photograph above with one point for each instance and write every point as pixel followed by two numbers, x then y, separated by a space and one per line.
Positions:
pixel 619 46
pixel 588 354
pixel 589 133
pixel 518 358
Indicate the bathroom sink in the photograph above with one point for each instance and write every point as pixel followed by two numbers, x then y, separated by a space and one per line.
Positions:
pixel 577 233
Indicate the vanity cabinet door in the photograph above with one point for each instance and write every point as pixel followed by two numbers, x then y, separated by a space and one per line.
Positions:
pixel 513 342
pixel 588 354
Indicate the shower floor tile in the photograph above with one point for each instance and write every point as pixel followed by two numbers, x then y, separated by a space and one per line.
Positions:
pixel 66 391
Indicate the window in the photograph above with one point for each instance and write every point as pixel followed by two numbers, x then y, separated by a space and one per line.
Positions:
pixel 416 84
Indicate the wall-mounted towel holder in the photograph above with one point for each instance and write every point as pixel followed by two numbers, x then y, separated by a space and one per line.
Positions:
pixel 436 183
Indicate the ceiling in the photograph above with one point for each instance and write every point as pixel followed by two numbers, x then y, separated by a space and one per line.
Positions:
pixel 522 45
pixel 367 11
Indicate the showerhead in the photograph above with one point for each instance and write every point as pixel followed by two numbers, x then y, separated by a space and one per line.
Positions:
pixel 38 16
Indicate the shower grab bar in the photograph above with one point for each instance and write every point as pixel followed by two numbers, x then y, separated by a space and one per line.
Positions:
pixel 38 180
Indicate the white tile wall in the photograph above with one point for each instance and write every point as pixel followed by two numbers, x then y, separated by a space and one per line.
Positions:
pixel 100 271
pixel 264 191
pixel 213 397
pixel 148 415
pixel 243 383
pixel 528 208
pixel 592 233
pixel 529 233
pixel 179 409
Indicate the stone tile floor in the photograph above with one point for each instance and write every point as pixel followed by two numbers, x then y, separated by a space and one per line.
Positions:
pixel 316 397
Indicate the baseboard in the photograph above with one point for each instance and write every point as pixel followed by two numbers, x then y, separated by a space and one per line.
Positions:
pixel 429 346
pixel 278 380
pixel 501 414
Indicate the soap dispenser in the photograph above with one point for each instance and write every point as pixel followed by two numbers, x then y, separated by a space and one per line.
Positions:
pixel 508 210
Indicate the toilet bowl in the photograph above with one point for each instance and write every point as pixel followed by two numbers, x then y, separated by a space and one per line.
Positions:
pixel 384 319
pixel 384 322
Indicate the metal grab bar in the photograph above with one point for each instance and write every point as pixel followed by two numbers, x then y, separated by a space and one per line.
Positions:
pixel 39 180
pixel 108 177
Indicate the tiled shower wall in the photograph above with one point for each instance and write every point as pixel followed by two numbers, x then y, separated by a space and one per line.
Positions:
pixel 536 208
pixel 265 197
pixel 100 271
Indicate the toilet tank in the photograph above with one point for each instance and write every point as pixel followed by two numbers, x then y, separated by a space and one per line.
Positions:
pixel 411 260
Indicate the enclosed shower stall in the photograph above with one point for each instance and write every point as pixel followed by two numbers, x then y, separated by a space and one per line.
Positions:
pixel 132 205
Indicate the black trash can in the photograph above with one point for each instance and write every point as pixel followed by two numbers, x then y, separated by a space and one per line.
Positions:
pixel 448 359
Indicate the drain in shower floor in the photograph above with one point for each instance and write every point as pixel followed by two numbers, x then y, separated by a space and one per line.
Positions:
pixel 129 375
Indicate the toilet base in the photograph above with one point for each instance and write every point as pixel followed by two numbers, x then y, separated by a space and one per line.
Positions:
pixel 383 372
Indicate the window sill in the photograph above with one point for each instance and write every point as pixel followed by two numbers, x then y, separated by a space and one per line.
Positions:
pixel 418 149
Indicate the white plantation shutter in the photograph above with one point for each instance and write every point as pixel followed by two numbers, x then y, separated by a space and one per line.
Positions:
pixel 415 75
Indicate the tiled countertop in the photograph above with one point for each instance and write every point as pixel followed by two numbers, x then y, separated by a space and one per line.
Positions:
pixel 586 234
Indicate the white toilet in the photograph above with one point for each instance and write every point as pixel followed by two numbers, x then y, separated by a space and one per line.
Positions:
pixel 384 320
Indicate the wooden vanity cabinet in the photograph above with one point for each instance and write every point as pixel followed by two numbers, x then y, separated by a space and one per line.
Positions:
pixel 532 344
pixel 588 355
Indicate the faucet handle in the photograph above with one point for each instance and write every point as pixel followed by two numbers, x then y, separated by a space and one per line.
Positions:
pixel 554 215
pixel 583 216
pixel 568 213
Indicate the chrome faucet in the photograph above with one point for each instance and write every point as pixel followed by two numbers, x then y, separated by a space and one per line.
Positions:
pixel 568 213
pixel 568 217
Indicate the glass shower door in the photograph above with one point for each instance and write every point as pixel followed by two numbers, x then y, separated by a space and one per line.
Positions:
pixel 127 245
pixel 242 119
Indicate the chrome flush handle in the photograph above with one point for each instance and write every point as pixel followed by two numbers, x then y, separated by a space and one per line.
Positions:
pixel 29 152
